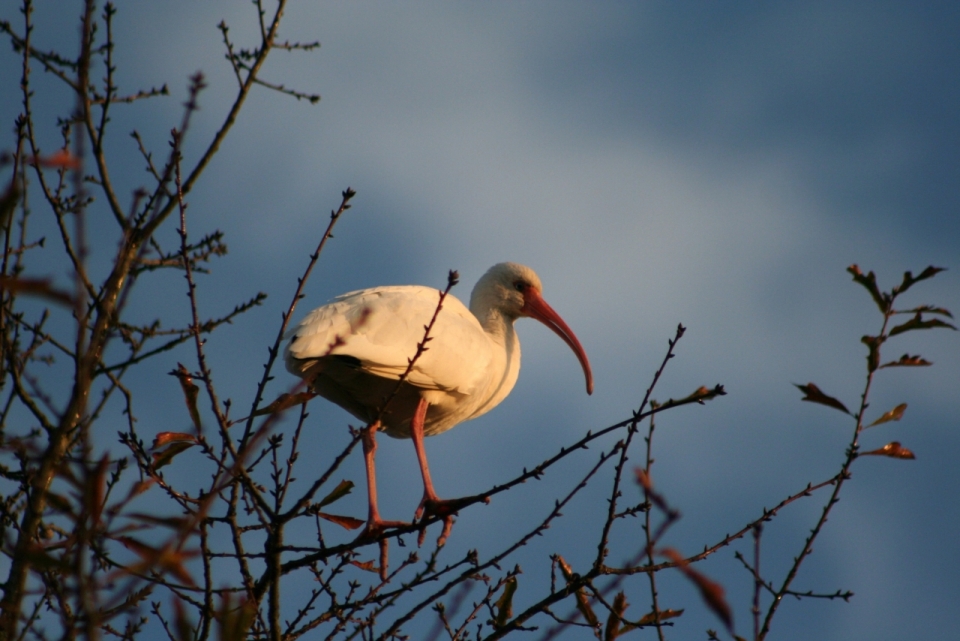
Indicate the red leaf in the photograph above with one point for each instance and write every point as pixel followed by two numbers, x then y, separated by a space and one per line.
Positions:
pixel 893 415
pixel 928 309
pixel 564 567
pixel 365 565
pixel 583 605
pixel 343 488
pixel 643 479
pixel 190 393
pixel 94 490
pixel 165 438
pixel 59 502
pixel 614 621
pixel 182 623
pixel 285 401
pixel 60 159
pixel 347 522
pixel 176 443
pixel 917 322
pixel 907 361
pixel 712 592
pixel 38 557
pixel 870 283
pixel 873 343
pixel 39 287
pixel 142 550
pixel 172 522
pixel 650 618
pixel 504 604
pixel 893 450
pixel 813 394
pixel 167 559
pixel 235 620
pixel 139 488
pixel 909 279
pixel 8 203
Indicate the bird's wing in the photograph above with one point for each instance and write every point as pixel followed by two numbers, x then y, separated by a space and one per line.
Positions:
pixel 381 327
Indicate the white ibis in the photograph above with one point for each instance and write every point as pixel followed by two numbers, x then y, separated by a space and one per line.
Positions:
pixel 354 350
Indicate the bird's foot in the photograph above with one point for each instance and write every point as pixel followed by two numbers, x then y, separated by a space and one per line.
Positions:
pixel 373 531
pixel 375 528
pixel 446 509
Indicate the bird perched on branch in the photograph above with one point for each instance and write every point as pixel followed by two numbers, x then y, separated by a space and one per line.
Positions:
pixel 413 362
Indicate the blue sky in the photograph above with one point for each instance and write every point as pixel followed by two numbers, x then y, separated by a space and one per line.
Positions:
pixel 656 163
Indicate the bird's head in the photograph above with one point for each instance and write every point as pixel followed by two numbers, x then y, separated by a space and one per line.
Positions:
pixel 505 288
pixel 515 290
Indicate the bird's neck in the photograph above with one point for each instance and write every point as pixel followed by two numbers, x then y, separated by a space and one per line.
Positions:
pixel 497 326
pixel 506 358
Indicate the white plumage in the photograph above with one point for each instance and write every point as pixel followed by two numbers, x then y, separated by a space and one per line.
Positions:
pixel 379 329
pixel 353 351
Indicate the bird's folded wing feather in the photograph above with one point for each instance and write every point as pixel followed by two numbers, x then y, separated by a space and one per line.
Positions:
pixel 385 337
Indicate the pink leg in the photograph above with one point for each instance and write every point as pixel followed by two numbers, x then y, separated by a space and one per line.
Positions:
pixel 375 525
pixel 369 460
pixel 430 503
pixel 416 432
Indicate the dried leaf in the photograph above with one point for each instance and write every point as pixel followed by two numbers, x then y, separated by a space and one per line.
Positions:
pixel 711 592
pixel 60 159
pixel 928 309
pixel 8 204
pixel 365 565
pixel 893 415
pixel 39 287
pixel 873 343
pixel 650 618
pixel 346 522
pixel 893 450
pixel 172 522
pixel 285 401
pixel 190 393
pixel 813 394
pixel 907 361
pixel 181 621
pixel 504 604
pixel 172 563
pixel 93 490
pixel 612 631
pixel 917 322
pixel 869 281
pixel 37 556
pixel 643 479
pixel 142 550
pixel 130 601
pixel 909 279
pixel 583 605
pixel 58 502
pixel 165 457
pixel 564 568
pixel 165 438
pixel 342 489
pixel 701 394
pixel 235 621
pixel 166 559
pixel 138 488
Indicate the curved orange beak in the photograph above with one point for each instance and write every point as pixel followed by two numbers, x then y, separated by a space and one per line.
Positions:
pixel 535 307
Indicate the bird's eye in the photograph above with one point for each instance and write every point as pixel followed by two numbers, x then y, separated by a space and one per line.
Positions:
pixel 519 286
